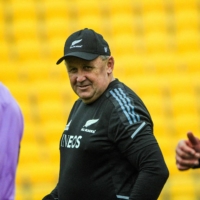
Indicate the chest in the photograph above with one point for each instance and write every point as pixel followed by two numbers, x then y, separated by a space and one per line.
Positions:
pixel 87 131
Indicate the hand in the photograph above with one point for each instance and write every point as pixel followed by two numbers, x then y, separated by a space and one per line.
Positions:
pixel 194 142
pixel 188 152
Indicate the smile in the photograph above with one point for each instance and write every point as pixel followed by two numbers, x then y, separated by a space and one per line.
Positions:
pixel 83 87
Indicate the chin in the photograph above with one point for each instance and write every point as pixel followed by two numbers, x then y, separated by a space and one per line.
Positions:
pixel 84 95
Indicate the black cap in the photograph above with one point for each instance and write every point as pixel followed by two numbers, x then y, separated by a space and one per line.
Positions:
pixel 85 44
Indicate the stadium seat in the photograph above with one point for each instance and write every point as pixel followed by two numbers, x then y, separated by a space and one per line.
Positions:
pixel 187 41
pixel 192 61
pixel 148 6
pixel 5 52
pixel 9 72
pixel 55 9
pixel 165 63
pixel 155 21
pixel 50 110
pixel 57 28
pixel 187 19
pixel 25 29
pixel 87 8
pixel 156 42
pixel 122 23
pixel 156 49
pixel 181 5
pixel 29 50
pixel 23 10
pixel 93 22
pixel 124 44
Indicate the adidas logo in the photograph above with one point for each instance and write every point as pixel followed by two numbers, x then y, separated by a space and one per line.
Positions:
pixel 67 126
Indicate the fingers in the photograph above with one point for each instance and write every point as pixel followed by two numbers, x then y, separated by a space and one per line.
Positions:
pixel 186 157
pixel 184 150
pixel 181 167
pixel 184 164
pixel 193 142
pixel 192 138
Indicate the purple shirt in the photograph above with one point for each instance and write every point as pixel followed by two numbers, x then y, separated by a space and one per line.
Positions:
pixel 11 130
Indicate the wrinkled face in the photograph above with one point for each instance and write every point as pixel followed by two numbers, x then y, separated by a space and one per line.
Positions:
pixel 89 79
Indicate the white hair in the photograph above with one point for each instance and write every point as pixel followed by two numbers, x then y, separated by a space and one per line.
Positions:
pixel 103 57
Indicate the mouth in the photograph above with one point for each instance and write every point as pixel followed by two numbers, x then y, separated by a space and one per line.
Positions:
pixel 83 87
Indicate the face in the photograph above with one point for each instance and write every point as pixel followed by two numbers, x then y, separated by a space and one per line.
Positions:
pixel 89 79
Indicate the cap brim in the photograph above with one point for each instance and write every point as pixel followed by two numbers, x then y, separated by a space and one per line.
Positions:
pixel 83 55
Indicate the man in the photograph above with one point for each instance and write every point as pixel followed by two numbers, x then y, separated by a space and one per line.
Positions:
pixel 11 130
pixel 188 153
pixel 107 150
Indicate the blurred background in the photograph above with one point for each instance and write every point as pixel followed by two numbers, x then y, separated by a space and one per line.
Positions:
pixel 156 46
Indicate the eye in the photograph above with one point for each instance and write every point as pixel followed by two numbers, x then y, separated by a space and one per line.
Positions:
pixel 87 68
pixel 72 70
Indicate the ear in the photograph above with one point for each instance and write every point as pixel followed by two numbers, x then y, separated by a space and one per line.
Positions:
pixel 110 64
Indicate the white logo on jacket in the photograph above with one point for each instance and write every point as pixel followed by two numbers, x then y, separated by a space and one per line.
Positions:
pixel 89 123
pixel 70 141
pixel 67 126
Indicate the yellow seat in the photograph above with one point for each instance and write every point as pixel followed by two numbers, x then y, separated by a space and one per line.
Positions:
pixel 124 44
pixel 37 172
pixel 55 9
pixel 8 72
pixel 57 28
pixel 122 23
pixel 25 29
pixel 180 5
pixel 192 62
pixel 35 70
pixel 23 10
pixel 152 6
pixel 154 21
pixel 56 48
pixel 87 8
pixel 91 22
pixel 165 63
pixel 186 19
pixel 5 51
pixel 187 40
pixel 180 183
pixel 29 50
pixel 156 42
pixel 49 110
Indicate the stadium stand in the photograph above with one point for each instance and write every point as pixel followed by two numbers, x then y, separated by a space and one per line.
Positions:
pixel 156 45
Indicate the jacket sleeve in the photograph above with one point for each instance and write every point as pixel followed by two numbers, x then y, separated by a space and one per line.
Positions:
pixel 53 195
pixel 152 175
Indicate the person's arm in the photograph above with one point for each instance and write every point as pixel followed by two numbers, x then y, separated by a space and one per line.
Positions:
pixel 53 195
pixel 188 153
pixel 152 173
pixel 144 154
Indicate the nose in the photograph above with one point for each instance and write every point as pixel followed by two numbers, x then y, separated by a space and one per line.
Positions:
pixel 80 76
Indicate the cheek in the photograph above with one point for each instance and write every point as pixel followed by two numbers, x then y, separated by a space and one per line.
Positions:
pixel 72 79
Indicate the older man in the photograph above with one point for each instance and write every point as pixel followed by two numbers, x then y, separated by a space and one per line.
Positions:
pixel 107 150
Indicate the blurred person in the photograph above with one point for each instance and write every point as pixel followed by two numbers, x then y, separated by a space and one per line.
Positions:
pixel 188 153
pixel 11 130
pixel 107 150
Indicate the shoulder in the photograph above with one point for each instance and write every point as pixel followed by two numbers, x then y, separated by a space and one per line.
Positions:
pixel 126 102
pixel 6 98
pixel 4 93
pixel 119 94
